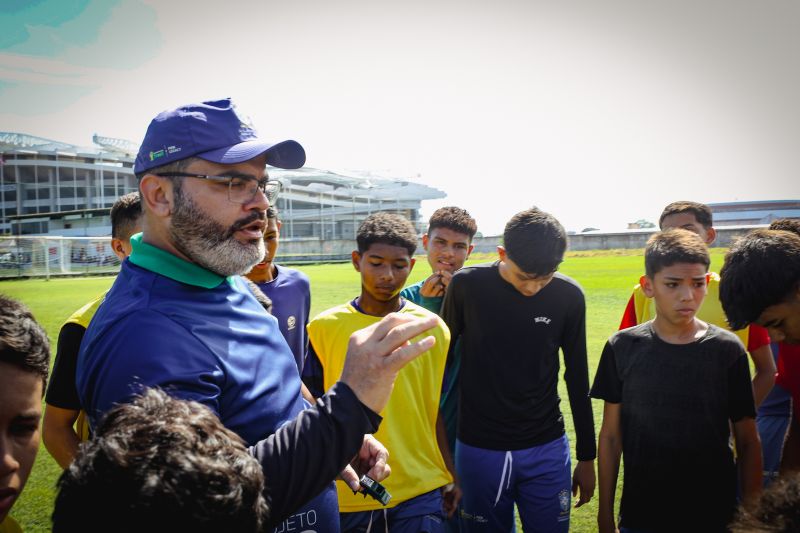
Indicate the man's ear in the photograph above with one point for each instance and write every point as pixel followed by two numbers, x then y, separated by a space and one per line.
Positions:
pixel 469 250
pixel 647 286
pixel 157 195
pixel 355 257
pixel 278 224
pixel 425 239
pixel 411 265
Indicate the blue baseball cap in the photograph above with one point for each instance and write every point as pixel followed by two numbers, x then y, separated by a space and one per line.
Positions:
pixel 212 131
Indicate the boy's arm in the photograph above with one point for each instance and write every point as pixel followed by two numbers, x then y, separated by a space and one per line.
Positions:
pixel 59 434
pixel 313 376
pixel 610 452
pixel 63 405
pixel 749 462
pixel 763 362
pixel 576 375
pixel 451 494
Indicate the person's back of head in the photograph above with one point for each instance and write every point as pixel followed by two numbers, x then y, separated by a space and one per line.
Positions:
pixel 778 510
pixel 161 464
pixel 786 224
pixel 126 214
pixel 702 213
pixel 126 220
pixel 761 270
pixel 674 246
pixel 386 228
pixel 453 218
pixel 535 241
pixel 24 364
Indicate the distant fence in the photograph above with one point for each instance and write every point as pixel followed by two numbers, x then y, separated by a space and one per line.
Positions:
pixel 75 256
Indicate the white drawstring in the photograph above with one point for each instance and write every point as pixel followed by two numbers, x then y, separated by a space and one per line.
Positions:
pixel 507 465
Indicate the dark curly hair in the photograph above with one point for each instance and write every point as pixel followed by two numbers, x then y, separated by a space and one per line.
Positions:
pixel 386 228
pixel 23 342
pixel 161 464
pixel 453 218
pixel 702 213
pixel 778 510
pixel 674 246
pixel 535 241
pixel 786 224
pixel 761 270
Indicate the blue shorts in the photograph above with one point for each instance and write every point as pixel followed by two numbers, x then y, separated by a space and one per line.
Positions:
pixel 422 514
pixel 537 479
pixel 772 430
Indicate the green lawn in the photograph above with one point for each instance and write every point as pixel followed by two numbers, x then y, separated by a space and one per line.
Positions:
pixel 606 277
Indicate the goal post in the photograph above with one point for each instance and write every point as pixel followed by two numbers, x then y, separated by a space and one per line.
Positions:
pixel 46 256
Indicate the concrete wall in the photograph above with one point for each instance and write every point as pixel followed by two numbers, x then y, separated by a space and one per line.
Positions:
pixel 313 250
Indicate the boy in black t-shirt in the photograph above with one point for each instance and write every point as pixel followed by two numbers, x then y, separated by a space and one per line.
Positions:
pixel 671 386
pixel 511 318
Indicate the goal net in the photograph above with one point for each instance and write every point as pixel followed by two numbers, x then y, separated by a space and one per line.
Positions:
pixel 56 256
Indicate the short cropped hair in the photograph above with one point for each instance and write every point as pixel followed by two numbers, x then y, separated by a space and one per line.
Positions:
pixel 386 228
pixel 674 246
pixel 164 464
pixel 125 215
pixel 761 270
pixel 786 224
pixel 453 218
pixel 535 241
pixel 23 342
pixel 702 213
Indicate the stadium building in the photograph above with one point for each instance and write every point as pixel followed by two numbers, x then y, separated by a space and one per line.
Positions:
pixel 50 188
pixel 754 213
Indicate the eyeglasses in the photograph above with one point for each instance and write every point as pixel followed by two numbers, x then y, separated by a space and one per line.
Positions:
pixel 241 189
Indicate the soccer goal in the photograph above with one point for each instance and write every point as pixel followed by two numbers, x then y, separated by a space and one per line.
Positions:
pixel 56 256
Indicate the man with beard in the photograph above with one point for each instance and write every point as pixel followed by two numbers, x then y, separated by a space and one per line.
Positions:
pixel 180 317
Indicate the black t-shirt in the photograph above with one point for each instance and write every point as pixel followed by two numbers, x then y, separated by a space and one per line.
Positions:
pixel 61 391
pixel 677 401
pixel 510 364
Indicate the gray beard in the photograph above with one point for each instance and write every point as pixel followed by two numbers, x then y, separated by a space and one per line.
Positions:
pixel 206 242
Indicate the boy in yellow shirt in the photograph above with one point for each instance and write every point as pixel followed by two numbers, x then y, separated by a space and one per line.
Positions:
pixel 421 484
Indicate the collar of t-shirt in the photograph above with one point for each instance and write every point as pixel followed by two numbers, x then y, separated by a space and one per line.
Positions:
pixel 161 262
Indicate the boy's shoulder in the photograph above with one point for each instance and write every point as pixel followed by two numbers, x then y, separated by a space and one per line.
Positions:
pixel 724 338
pixel 419 311
pixel 566 283
pixel 628 337
pixel 333 313
pixel 476 271
pixel 292 275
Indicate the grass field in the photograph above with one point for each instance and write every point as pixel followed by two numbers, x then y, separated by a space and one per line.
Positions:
pixel 606 277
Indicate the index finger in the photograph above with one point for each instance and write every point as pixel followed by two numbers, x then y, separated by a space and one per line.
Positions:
pixel 399 334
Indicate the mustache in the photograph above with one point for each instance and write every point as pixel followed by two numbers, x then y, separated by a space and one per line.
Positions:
pixel 252 217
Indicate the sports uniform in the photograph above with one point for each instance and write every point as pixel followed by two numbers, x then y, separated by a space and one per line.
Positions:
pixel 511 441
pixel 448 406
pixel 290 293
pixel 676 404
pixel 172 324
pixel 408 430
pixel 61 390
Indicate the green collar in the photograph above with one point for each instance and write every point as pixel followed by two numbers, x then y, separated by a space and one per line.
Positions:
pixel 156 260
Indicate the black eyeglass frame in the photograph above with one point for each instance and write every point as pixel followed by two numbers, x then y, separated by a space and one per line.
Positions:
pixel 270 188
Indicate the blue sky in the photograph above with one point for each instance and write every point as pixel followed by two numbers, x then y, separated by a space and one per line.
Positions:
pixel 599 112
